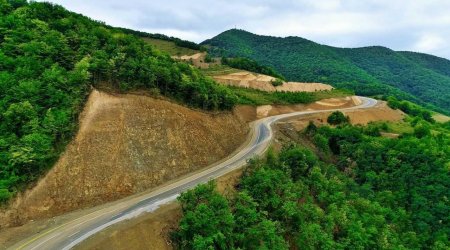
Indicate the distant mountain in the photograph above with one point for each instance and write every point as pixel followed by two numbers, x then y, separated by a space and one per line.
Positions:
pixel 421 78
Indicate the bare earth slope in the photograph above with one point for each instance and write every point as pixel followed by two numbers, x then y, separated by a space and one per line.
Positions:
pixel 127 144
pixel 152 230
pixel 263 82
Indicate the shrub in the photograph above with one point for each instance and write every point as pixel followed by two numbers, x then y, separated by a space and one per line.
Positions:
pixel 337 117
pixel 277 82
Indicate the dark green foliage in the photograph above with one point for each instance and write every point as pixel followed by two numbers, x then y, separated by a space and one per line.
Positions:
pixel 409 176
pixel 336 118
pixel 371 70
pixel 277 82
pixel 50 58
pixel 210 223
pixel 298 160
pixel 179 42
pixel 207 223
pixel 382 194
pixel 250 65
pixel 410 108
pixel 208 58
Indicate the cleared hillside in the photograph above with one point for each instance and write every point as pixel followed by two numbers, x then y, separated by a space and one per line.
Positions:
pixel 265 83
pixel 50 58
pixel 372 70
pixel 152 230
pixel 127 144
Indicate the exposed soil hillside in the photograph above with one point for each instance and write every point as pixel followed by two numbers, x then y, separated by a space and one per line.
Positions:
pixel 127 144
pixel 381 112
pixel 264 82
pixel 197 59
pixel 152 230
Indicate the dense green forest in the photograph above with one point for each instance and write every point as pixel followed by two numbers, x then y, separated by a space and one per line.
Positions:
pixel 363 192
pixel 420 78
pixel 50 58
pixel 250 65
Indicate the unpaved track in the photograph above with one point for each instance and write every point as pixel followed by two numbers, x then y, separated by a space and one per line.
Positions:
pixel 68 235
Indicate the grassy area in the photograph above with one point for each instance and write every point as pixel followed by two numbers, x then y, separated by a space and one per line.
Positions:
pixel 440 117
pixel 257 97
pixel 170 47
pixel 406 127
pixel 219 69
pixel 400 128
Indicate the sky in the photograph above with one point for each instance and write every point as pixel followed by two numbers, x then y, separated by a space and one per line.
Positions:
pixel 414 25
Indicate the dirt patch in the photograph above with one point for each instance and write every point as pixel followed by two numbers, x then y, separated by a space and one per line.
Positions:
pixel 251 113
pixel 127 144
pixel 332 103
pixel 152 230
pixel 263 82
pixel 198 60
pixel 381 112
pixel 441 118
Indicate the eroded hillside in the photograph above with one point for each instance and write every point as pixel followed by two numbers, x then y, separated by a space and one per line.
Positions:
pixel 126 144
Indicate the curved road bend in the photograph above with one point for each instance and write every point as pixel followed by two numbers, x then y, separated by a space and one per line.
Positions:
pixel 68 235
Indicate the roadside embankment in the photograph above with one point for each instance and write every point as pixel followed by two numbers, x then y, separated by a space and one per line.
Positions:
pixel 127 144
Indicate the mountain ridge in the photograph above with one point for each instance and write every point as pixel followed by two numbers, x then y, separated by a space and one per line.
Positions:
pixel 418 77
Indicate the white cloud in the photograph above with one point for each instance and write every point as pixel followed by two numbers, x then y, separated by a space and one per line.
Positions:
pixel 429 43
pixel 420 25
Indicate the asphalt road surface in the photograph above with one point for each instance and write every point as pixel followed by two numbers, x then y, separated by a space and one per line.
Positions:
pixel 71 233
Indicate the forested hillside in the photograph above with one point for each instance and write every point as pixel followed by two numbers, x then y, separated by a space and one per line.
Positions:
pixel 363 192
pixel 49 59
pixel 420 78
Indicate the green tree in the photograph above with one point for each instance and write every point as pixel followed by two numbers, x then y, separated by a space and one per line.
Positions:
pixel 337 117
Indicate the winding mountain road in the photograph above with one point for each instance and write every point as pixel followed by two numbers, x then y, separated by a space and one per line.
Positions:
pixel 71 233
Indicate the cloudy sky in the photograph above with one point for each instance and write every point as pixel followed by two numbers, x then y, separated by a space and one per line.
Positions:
pixel 416 25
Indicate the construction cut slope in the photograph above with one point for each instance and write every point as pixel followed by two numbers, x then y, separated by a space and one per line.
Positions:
pixel 127 144
pixel 263 82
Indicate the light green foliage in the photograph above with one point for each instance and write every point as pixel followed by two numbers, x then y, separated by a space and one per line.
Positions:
pixel 208 222
pixel 170 47
pixel 258 97
pixel 410 108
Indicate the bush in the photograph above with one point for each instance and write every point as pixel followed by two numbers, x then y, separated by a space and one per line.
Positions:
pixel 4 195
pixel 410 109
pixel 337 117
pixel 277 82
pixel 209 59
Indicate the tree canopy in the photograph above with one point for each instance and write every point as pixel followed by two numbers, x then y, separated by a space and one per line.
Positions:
pixel 370 192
